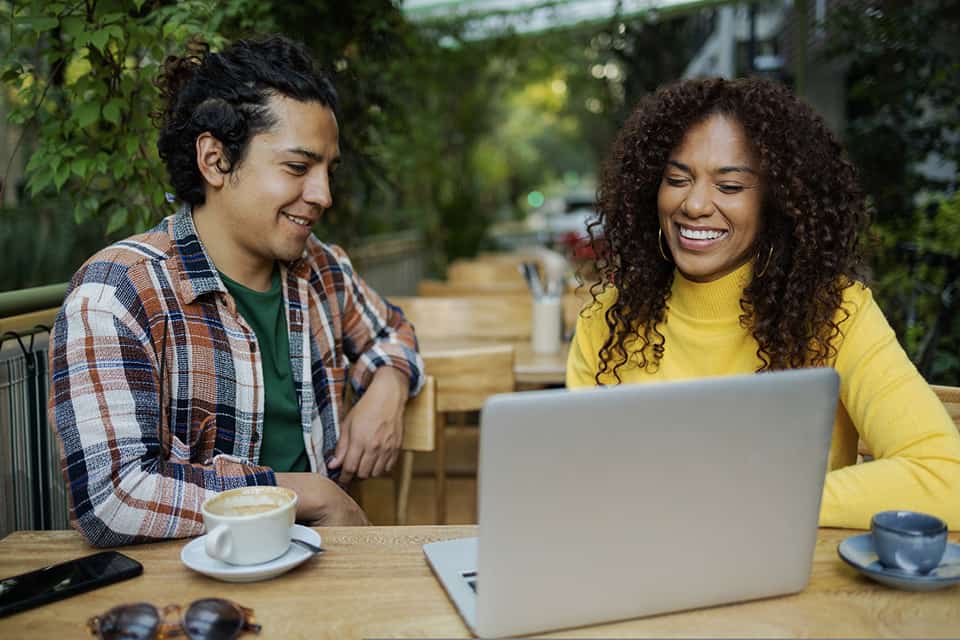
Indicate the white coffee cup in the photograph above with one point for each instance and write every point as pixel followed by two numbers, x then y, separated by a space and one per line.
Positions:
pixel 249 525
pixel 547 328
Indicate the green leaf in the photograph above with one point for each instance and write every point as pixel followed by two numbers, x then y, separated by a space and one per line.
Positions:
pixel 61 175
pixel 17 117
pixel 120 167
pixel 80 166
pixel 73 26
pixel 12 73
pixel 132 146
pixel 138 4
pixel 39 180
pixel 118 220
pixel 37 159
pixel 100 38
pixel 87 113
pixel 38 24
pixel 112 110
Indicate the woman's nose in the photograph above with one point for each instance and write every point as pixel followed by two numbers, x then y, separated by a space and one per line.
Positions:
pixel 698 202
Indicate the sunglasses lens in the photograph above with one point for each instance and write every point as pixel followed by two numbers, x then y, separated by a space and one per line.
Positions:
pixel 130 622
pixel 213 619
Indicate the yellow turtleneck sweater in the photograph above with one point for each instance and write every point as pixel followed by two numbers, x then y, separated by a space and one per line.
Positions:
pixel 883 398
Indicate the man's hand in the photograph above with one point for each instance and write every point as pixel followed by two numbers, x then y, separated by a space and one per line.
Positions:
pixel 321 502
pixel 372 431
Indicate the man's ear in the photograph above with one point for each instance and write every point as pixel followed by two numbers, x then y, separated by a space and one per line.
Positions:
pixel 211 160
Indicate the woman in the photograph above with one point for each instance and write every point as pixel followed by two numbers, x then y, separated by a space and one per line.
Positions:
pixel 732 223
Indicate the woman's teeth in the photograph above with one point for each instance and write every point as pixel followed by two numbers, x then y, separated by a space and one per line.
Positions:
pixel 701 234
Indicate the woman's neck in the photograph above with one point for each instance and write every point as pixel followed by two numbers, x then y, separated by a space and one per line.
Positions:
pixel 716 300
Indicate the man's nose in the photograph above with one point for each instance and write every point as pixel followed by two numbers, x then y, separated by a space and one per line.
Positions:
pixel 316 191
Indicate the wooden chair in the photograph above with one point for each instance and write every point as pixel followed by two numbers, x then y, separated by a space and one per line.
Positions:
pixel 465 378
pixel 446 289
pixel 950 397
pixel 503 319
pixel 419 435
pixel 508 316
pixel 487 272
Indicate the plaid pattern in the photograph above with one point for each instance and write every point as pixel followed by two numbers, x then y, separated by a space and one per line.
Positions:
pixel 156 385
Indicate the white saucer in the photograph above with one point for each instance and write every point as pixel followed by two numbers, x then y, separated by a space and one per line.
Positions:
pixel 194 555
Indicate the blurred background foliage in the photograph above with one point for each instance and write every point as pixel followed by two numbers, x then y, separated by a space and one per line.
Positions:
pixel 903 114
pixel 448 134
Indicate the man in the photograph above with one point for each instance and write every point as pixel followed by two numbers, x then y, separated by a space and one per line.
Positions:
pixel 213 351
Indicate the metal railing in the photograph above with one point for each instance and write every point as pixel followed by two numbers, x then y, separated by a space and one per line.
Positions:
pixel 32 490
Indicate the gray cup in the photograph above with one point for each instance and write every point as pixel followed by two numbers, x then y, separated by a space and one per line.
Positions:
pixel 909 541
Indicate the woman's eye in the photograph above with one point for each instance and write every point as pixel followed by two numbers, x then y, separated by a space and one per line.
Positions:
pixel 730 188
pixel 676 182
pixel 297 168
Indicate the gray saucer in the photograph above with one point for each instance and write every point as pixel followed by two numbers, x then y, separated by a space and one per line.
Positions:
pixel 858 552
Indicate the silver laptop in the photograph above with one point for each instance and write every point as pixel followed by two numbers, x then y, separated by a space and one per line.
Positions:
pixel 612 503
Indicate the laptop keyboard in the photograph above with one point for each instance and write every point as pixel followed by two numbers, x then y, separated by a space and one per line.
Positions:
pixel 471 578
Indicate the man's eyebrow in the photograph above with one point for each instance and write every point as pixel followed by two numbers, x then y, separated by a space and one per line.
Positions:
pixel 306 153
pixel 736 170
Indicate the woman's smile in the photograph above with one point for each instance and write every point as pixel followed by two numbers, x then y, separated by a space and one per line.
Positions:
pixel 699 239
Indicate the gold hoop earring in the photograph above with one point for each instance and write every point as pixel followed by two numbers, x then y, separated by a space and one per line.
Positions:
pixel 660 245
pixel 769 258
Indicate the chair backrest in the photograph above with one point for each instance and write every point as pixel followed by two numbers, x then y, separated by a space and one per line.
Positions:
pixel 447 289
pixel 466 377
pixel 950 397
pixel 487 272
pixel 419 419
pixel 480 318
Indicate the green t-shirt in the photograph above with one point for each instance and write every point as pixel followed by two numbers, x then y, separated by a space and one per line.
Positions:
pixel 282 447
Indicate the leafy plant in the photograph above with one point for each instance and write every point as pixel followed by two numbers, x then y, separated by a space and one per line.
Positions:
pixel 903 132
pixel 80 79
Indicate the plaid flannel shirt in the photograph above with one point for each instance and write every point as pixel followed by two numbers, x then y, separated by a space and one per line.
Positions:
pixel 156 383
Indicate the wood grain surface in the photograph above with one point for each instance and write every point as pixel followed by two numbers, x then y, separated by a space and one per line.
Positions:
pixel 529 368
pixel 375 583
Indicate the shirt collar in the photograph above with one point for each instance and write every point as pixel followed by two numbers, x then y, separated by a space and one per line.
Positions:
pixel 199 275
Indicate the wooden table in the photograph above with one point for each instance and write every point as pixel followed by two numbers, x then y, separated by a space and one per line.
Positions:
pixel 531 369
pixel 374 582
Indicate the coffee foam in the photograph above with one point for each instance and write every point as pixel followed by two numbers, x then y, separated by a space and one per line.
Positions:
pixel 248 503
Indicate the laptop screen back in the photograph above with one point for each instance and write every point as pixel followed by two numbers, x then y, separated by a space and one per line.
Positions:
pixel 617 502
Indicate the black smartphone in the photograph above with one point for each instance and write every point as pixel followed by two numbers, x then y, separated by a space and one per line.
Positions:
pixel 63 580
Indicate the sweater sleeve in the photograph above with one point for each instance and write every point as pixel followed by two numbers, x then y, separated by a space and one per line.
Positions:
pixel 915 444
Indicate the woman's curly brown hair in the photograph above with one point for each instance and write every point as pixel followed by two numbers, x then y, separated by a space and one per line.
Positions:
pixel 813 217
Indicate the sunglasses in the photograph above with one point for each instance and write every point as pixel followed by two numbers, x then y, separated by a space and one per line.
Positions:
pixel 206 619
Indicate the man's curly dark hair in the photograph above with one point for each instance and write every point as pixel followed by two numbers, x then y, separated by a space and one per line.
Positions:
pixel 226 94
pixel 813 217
